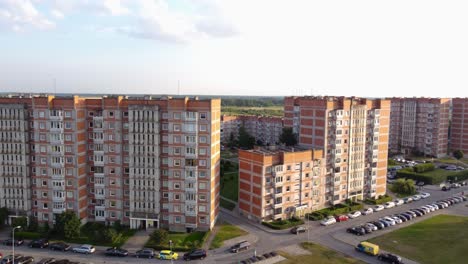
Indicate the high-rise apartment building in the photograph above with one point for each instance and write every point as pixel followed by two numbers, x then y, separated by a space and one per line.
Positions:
pixel 353 134
pixel 264 129
pixel 419 126
pixel 459 125
pixel 146 162
pixel 278 182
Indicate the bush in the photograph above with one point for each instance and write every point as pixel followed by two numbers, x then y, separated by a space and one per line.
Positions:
pixel 435 179
pixel 27 235
pixel 159 236
pixel 424 167
pixel 283 224
pixel 460 176
pixel 381 200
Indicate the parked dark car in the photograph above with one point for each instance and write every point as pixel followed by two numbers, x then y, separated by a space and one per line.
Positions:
pixel 59 246
pixel 39 243
pixel 417 212
pixel 390 258
pixel 9 259
pixel 446 188
pixel 366 228
pixel 402 217
pixel 116 252
pixel 195 254
pixel 9 242
pixel 145 253
pixel 356 230
pixel 298 229
pixel 378 224
pixel 407 215
pixel 384 223
pixel 421 211
pixel 243 245
pixel 25 260
pixel 47 261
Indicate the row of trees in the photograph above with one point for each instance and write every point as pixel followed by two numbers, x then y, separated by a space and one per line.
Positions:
pixel 252 102
pixel 247 141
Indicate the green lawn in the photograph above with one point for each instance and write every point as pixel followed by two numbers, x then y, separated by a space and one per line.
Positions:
pixel 440 239
pixel 319 254
pixel 230 187
pixel 225 232
pixel 180 241
pixel 437 172
pixel 226 204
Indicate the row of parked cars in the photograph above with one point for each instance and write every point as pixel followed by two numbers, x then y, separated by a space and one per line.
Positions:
pixel 340 218
pixel 114 251
pixel 258 258
pixel 392 220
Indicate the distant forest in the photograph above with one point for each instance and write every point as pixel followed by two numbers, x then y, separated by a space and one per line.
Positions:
pixel 252 102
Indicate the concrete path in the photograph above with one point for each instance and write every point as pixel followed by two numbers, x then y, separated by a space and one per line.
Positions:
pixel 212 235
pixel 137 241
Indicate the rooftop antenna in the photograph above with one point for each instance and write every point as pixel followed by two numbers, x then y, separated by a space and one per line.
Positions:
pixel 178 87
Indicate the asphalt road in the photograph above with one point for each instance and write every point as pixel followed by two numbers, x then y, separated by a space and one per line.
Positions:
pixel 333 236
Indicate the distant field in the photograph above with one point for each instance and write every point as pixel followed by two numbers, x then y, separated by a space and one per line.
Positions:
pixel 248 110
pixel 440 239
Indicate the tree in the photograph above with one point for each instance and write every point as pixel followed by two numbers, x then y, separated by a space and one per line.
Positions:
pixel 245 139
pixel 458 154
pixel 112 236
pixel 403 186
pixel 20 221
pixel 68 224
pixel 288 137
pixel 159 236
pixel 3 215
pixel 33 224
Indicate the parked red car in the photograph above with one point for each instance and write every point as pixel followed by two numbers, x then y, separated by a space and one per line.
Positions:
pixel 341 218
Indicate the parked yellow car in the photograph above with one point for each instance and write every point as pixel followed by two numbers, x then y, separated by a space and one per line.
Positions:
pixel 167 254
pixel 368 248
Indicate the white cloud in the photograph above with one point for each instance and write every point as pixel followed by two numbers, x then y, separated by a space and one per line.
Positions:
pixel 57 14
pixel 156 19
pixel 19 15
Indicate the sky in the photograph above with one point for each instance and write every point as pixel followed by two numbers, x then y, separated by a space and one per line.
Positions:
pixel 235 47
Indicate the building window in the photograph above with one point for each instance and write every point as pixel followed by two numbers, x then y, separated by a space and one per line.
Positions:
pixel 45 206
pixel 202 185
pixel 177 162
pixel 177 219
pixel 202 115
pixel 202 127
pixel 165 195
pixel 176 185
pixel 177 196
pixel 176 115
pixel 202 162
pixel 202 219
pixel 202 208
pixel 203 139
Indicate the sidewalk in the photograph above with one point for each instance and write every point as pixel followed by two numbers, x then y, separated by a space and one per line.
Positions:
pixel 137 241
pixel 235 216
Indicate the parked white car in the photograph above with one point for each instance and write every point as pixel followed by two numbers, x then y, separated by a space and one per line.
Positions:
pixel 85 249
pixel 374 228
pixel 416 197
pixel 397 219
pixel 389 220
pixel 328 221
pixel 399 202
pixel 425 195
pixel 354 214
pixel 378 208
pixel 368 211
pixel 388 205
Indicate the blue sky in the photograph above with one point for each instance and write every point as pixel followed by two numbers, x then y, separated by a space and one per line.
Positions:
pixel 251 47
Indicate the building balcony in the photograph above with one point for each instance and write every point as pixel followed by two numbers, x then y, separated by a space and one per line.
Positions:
pixel 99 185
pixel 191 213
pixel 58 177
pixel 58 210
pixel 57 164
pixel 98 140
pixel 55 129
pixel 98 163
pixel 99 195
pixel 100 207
pixel 59 188
pixel 190 202
pixel 58 199
pixel 56 117
pixel 100 218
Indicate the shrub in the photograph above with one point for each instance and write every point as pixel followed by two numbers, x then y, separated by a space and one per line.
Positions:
pixel 27 235
pixel 424 167
pixel 460 176
pixel 159 236
pixel 283 224
pixel 435 179
pixel 380 200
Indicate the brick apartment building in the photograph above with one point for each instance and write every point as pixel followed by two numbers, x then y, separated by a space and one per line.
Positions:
pixel 353 134
pixel 263 128
pixel 419 125
pixel 278 182
pixel 146 162
pixel 459 127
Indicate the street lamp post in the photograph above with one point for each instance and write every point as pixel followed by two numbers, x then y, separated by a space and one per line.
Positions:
pixel 13 241
pixel 170 245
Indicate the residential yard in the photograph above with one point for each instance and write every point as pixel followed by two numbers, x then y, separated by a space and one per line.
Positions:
pixel 440 239
pixel 230 185
pixel 180 241
pixel 225 232
pixel 319 254
pixel 226 204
